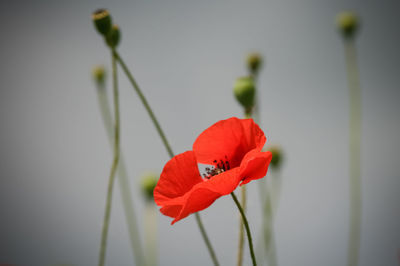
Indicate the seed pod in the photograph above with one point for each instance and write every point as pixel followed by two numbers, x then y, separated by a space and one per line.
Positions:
pixel 102 21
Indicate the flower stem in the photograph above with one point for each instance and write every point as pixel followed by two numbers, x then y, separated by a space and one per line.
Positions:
pixel 166 144
pixel 241 227
pixel 355 146
pixel 107 213
pixel 150 225
pixel 206 240
pixel 124 186
pixel 268 231
pixel 246 224
pixel 145 103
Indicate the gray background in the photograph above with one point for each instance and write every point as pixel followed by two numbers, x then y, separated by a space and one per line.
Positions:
pixel 55 157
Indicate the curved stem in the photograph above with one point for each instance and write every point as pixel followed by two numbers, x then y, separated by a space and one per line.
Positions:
pixel 145 103
pixel 107 213
pixel 124 185
pixel 246 225
pixel 166 144
pixel 205 237
pixel 355 146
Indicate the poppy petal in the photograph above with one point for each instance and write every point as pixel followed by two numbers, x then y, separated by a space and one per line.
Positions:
pixel 254 165
pixel 228 140
pixel 178 177
pixel 204 194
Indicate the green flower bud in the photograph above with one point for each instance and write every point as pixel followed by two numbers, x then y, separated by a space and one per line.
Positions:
pixel 276 157
pixel 148 183
pixel 102 21
pixel 244 91
pixel 254 62
pixel 99 74
pixel 113 36
pixel 347 23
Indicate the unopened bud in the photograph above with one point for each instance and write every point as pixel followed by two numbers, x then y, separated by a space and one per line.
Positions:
pixel 276 157
pixel 348 23
pixel 148 183
pixel 254 62
pixel 244 91
pixel 113 36
pixel 99 74
pixel 102 21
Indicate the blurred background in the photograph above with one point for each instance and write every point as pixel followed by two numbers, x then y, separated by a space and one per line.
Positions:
pixel 55 155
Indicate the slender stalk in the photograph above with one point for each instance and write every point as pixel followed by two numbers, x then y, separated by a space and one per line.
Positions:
pixel 243 202
pixel 124 185
pixel 246 225
pixel 206 240
pixel 239 259
pixel 355 146
pixel 166 144
pixel 145 103
pixel 150 224
pixel 268 232
pixel 107 213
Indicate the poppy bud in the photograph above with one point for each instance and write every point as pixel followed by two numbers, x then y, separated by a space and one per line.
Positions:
pixel 148 183
pixel 102 21
pixel 113 36
pixel 244 90
pixel 254 62
pixel 99 74
pixel 348 23
pixel 276 157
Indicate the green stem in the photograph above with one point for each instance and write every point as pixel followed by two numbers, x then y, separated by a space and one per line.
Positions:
pixel 241 228
pixel 124 185
pixel 166 144
pixel 145 103
pixel 355 146
pixel 246 225
pixel 206 240
pixel 107 213
pixel 150 225
pixel 268 230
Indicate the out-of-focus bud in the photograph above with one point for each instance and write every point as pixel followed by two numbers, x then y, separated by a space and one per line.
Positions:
pixel 276 156
pixel 99 74
pixel 113 36
pixel 244 91
pixel 347 23
pixel 102 21
pixel 254 63
pixel 148 183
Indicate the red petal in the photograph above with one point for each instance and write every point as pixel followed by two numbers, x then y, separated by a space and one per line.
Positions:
pixel 178 177
pixel 230 140
pixel 254 165
pixel 204 194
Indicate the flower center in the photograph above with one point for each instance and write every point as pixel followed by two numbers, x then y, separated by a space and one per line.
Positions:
pixel 221 166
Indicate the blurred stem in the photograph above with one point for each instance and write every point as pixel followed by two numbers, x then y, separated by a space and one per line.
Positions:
pixel 166 144
pixel 246 225
pixel 355 145
pixel 124 186
pixel 150 224
pixel 206 240
pixel 268 232
pixel 243 202
pixel 107 213
pixel 239 262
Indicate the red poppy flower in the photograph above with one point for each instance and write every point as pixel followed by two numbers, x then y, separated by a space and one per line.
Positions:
pixel 232 148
